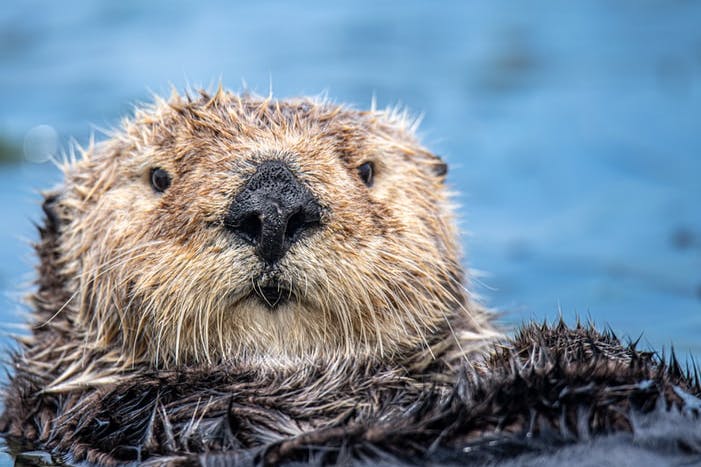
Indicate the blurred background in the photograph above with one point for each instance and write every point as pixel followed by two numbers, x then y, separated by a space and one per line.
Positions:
pixel 573 129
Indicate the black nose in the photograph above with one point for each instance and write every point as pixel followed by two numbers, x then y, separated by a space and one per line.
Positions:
pixel 272 211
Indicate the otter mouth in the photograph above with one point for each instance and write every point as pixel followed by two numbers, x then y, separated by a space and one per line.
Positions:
pixel 272 295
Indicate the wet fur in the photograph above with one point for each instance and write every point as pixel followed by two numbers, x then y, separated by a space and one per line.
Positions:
pixel 157 278
pixel 140 351
pixel 133 281
pixel 546 391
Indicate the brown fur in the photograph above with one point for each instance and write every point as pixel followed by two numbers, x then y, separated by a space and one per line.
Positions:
pixel 156 276
pixel 133 281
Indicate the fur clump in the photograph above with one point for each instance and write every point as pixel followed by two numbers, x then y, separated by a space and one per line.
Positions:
pixel 544 393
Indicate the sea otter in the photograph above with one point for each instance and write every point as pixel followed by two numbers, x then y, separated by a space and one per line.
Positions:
pixel 236 279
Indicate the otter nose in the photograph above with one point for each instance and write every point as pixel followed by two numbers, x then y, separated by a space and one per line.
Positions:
pixel 272 211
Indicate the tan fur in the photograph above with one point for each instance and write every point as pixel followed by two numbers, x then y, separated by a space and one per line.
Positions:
pixel 154 277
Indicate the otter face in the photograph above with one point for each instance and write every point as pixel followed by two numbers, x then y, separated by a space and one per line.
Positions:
pixel 231 227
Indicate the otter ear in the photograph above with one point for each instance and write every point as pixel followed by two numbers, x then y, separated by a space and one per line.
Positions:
pixel 439 167
pixel 51 212
pixel 434 165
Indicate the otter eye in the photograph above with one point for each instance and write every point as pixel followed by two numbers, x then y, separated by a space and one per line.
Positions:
pixel 367 172
pixel 160 179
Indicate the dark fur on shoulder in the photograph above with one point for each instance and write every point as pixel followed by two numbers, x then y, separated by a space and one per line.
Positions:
pixel 547 389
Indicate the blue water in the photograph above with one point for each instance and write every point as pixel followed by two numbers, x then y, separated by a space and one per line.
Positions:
pixel 573 129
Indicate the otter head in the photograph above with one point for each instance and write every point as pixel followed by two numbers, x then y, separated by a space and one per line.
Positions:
pixel 234 227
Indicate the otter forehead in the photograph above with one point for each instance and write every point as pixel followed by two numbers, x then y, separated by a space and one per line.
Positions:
pixel 224 127
pixel 225 121
pixel 228 226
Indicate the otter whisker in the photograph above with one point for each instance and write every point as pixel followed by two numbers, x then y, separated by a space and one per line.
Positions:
pixel 61 308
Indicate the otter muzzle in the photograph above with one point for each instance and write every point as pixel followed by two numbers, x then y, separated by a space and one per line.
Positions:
pixel 272 211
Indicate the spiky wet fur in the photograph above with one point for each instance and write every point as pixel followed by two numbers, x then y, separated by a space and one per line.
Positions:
pixel 133 280
pixel 547 390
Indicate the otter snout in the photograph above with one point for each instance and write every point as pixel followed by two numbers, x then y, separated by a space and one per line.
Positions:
pixel 272 211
